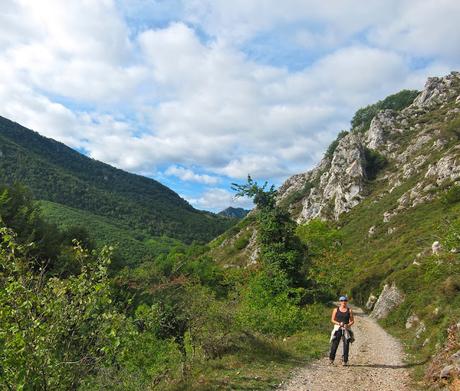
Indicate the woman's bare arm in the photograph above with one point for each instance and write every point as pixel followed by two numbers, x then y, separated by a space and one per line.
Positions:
pixel 334 312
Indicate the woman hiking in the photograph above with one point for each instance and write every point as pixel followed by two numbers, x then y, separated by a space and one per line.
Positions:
pixel 342 318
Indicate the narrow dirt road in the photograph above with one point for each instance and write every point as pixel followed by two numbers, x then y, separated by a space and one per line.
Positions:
pixel 375 363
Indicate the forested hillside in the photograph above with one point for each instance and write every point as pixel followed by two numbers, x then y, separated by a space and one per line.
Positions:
pixel 59 174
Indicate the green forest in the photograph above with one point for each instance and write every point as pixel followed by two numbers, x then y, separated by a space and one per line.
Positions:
pixel 56 173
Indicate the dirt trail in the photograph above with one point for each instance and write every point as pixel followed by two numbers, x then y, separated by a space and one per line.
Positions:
pixel 375 363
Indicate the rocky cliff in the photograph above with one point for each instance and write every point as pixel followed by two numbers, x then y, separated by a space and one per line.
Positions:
pixel 420 141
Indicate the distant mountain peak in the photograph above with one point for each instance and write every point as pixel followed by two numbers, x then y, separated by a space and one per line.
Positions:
pixel 237 213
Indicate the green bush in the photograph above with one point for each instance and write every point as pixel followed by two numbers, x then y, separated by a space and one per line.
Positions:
pixel 269 305
pixel 53 332
pixel 319 236
pixel 374 163
pixel 243 240
pixel 453 127
pixel 452 195
pixel 363 117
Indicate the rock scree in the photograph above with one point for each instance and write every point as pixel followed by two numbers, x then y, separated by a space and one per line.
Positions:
pixel 376 363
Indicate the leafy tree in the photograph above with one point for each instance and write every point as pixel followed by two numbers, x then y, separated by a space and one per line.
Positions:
pixel 18 212
pixel 276 232
pixel 319 236
pixel 269 304
pixel 53 332
pixel 261 197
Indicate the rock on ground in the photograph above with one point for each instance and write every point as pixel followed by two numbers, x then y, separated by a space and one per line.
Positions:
pixel 390 298
pixel 375 363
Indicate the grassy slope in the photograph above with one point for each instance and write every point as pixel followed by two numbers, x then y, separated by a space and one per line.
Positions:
pixel 431 289
pixel 131 246
pixel 387 258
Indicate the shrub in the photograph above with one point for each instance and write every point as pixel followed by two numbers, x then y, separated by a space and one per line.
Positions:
pixel 451 286
pixel 453 128
pixel 374 162
pixel 269 305
pixel 363 117
pixel 452 195
pixel 319 236
pixel 243 240
pixel 53 332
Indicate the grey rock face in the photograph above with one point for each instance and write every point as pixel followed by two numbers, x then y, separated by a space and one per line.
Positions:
pixel 447 168
pixel 371 231
pixel 339 182
pixel 339 186
pixel 420 329
pixel 437 90
pixel 382 126
pixel 390 298
pixel 435 248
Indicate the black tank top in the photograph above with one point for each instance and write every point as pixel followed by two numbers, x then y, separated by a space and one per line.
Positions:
pixel 342 316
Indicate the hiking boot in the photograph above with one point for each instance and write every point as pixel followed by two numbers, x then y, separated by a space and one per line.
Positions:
pixel 331 362
pixel 345 363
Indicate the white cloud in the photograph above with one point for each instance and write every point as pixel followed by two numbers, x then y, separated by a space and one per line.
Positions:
pixel 423 28
pixel 190 95
pixel 217 199
pixel 189 176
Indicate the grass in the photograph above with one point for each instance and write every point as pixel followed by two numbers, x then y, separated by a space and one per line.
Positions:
pixel 259 362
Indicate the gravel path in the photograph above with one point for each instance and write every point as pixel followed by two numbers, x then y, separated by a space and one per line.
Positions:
pixel 375 363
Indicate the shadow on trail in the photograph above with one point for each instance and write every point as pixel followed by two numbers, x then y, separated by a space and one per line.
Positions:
pixel 410 365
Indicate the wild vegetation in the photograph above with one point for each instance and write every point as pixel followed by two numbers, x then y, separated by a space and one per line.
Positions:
pixel 150 312
pixel 181 322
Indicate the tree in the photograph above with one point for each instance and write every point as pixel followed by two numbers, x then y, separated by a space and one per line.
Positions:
pixel 279 245
pixel 19 212
pixel 53 332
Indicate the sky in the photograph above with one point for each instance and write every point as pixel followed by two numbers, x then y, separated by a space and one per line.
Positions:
pixel 198 94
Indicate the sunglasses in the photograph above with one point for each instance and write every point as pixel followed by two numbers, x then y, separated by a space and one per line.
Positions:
pixel 343 300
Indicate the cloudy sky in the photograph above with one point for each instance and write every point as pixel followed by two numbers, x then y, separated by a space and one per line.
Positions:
pixel 200 93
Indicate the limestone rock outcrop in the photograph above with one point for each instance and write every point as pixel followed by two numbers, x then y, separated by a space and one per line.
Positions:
pixel 412 146
pixel 390 298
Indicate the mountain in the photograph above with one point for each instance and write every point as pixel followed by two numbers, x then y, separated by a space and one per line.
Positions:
pixel 380 214
pixel 59 174
pixel 237 213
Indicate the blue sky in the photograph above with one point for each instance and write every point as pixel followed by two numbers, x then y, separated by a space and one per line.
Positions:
pixel 200 93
